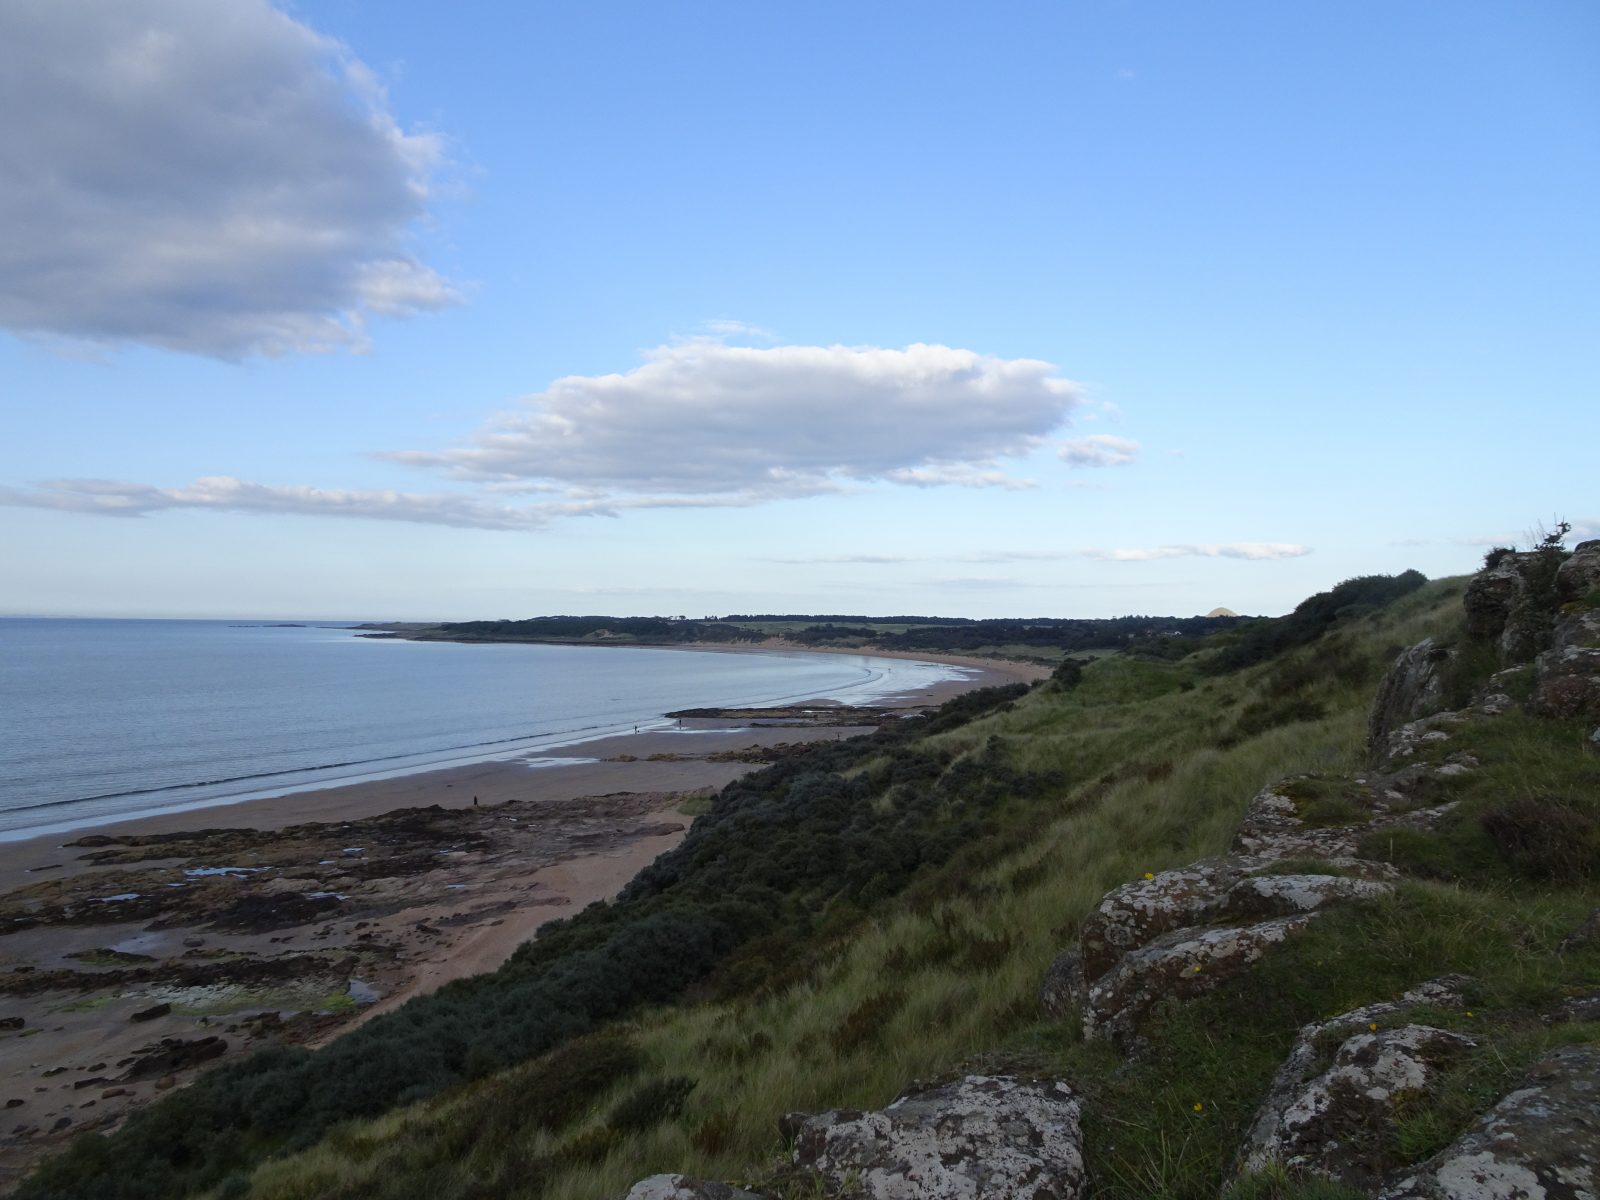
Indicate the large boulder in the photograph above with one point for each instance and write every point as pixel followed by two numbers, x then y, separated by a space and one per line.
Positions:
pixel 1490 596
pixel 1337 1125
pixel 977 1138
pixel 1542 1142
pixel 1512 603
pixel 1413 687
pixel 1064 987
pixel 1412 738
pixel 1176 966
pixel 1321 1114
pixel 1579 576
pixel 1311 817
pixel 1567 684
pixel 682 1187
pixel 1581 628
pixel 1208 892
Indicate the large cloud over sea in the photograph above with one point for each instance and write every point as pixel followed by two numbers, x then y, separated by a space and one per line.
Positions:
pixel 701 417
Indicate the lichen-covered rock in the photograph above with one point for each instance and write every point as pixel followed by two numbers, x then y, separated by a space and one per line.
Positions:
pixel 974 1139
pixel 1413 687
pixel 1134 913
pixel 1336 1124
pixel 1274 827
pixel 1283 895
pixel 1577 629
pixel 682 1187
pixel 1567 684
pixel 1585 935
pixel 1413 737
pixel 1513 603
pixel 1575 1008
pixel 1176 966
pixel 1542 1142
pixel 1270 1137
pixel 1490 596
pixel 1579 576
pixel 1208 892
pixel 1064 987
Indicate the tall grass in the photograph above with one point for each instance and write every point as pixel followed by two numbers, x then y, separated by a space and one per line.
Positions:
pixel 944 978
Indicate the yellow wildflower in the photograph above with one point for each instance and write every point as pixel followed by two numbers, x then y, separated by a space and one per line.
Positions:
pixel 1199 1107
pixel 1149 875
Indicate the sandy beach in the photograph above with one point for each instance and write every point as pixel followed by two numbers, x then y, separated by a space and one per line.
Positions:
pixel 138 953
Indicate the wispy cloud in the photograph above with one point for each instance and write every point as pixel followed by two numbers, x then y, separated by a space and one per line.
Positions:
pixel 979 556
pixel 724 328
pixel 1249 550
pixel 224 493
pixel 1099 450
pixel 216 179
pixel 837 559
pixel 981 583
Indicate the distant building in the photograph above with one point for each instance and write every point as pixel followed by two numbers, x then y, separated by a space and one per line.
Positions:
pixel 1222 612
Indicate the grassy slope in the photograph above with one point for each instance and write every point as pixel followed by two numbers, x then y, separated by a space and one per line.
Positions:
pixel 943 978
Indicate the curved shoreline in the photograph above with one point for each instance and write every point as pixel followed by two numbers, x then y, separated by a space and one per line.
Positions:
pixel 67 818
pixel 496 778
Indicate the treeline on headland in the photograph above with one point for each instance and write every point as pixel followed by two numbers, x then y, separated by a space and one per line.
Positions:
pixel 1045 639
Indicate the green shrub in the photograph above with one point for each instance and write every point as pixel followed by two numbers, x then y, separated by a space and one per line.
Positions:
pixel 1545 839
pixel 650 1104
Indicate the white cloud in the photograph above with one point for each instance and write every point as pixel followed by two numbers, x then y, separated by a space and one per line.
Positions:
pixel 703 418
pixel 212 178
pixel 110 498
pixel 980 556
pixel 852 559
pixel 1099 450
pixel 1250 550
pixel 723 328
pixel 981 583
pixel 957 475
pixel 699 425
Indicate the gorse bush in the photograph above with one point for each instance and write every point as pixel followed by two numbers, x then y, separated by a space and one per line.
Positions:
pixel 1312 617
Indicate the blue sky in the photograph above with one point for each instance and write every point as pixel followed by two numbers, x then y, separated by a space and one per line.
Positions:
pixel 353 309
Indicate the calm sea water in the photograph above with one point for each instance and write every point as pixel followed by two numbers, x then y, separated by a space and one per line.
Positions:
pixel 101 720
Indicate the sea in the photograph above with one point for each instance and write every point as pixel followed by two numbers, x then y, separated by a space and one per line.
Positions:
pixel 104 720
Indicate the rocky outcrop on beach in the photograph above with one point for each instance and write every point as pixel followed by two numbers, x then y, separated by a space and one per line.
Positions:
pixel 141 959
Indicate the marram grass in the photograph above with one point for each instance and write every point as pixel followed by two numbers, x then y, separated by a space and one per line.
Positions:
pixel 944 979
